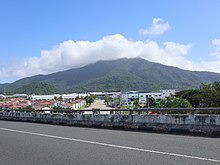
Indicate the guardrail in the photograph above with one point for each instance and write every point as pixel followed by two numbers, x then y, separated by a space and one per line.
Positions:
pixel 207 110
pixel 157 109
pixel 208 124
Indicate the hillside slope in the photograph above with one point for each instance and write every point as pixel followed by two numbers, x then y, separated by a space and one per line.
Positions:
pixel 122 74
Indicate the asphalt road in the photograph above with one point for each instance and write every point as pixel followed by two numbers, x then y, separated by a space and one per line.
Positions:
pixel 41 144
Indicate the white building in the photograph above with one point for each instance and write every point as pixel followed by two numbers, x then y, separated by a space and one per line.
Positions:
pixel 129 97
pixel 20 95
pixel 133 96
pixel 156 95
pixel 44 97
pixel 168 92
pixel 77 104
pixel 143 96
pixel 64 96
pixel 70 96
pixel 2 96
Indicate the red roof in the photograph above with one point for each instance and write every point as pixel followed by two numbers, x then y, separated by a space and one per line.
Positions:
pixel 46 103
pixel 14 107
pixel 77 101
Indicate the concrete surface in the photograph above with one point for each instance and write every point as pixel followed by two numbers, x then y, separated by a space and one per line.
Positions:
pixel 98 104
pixel 197 124
pixel 21 148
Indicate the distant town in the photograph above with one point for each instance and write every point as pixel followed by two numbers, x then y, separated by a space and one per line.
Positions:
pixel 80 101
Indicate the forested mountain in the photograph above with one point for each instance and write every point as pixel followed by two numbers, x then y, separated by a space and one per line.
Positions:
pixel 117 75
pixel 36 88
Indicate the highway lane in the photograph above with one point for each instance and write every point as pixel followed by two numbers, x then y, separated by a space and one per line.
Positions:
pixel 39 144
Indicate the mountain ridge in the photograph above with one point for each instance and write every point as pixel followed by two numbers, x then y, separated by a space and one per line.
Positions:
pixel 121 74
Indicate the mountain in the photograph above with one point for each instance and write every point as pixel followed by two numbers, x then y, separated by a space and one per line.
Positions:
pixel 118 75
pixel 37 88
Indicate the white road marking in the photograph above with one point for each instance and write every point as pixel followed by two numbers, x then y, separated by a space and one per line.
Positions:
pixel 111 145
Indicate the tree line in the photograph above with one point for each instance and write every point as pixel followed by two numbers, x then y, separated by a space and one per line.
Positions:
pixel 208 95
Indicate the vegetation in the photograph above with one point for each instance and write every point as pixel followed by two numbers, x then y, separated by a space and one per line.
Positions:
pixel 151 103
pixel 136 104
pixel 208 95
pixel 90 99
pixel 175 102
pixel 39 88
pixel 28 108
pixel 115 75
pixel 36 88
pixel 114 102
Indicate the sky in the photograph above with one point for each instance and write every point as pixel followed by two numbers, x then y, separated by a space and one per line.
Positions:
pixel 46 36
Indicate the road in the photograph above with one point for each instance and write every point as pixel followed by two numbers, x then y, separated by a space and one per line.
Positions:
pixel 98 104
pixel 41 144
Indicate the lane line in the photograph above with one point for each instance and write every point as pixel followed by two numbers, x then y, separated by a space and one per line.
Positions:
pixel 111 145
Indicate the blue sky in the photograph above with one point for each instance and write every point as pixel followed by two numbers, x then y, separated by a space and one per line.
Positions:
pixel 61 34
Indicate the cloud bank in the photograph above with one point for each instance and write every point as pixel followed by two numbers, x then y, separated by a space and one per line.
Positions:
pixel 158 27
pixel 73 54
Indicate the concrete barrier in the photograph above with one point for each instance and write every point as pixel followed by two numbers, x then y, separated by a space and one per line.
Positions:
pixel 167 123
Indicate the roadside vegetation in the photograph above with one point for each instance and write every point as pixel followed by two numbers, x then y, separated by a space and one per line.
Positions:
pixel 206 96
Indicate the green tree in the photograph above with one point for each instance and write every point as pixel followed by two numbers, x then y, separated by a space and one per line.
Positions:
pixel 208 95
pixel 175 102
pixel 194 96
pixel 216 94
pixel 152 102
pixel 90 99
pixel 27 108
pixel 136 104
pixel 60 98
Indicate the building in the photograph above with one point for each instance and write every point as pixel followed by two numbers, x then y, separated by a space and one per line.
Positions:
pixel 2 97
pixel 20 96
pixel 142 97
pixel 44 97
pixel 74 95
pixel 77 104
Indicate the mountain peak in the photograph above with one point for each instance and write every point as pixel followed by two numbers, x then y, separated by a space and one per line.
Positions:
pixel 121 74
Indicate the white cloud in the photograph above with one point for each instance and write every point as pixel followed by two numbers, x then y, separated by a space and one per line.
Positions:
pixel 72 54
pixel 158 27
pixel 216 48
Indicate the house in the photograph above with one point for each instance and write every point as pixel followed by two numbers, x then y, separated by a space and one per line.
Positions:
pixel 66 105
pixel 40 104
pixel 77 104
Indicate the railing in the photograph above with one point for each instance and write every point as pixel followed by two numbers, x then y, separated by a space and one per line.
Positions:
pixel 134 119
pixel 208 110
